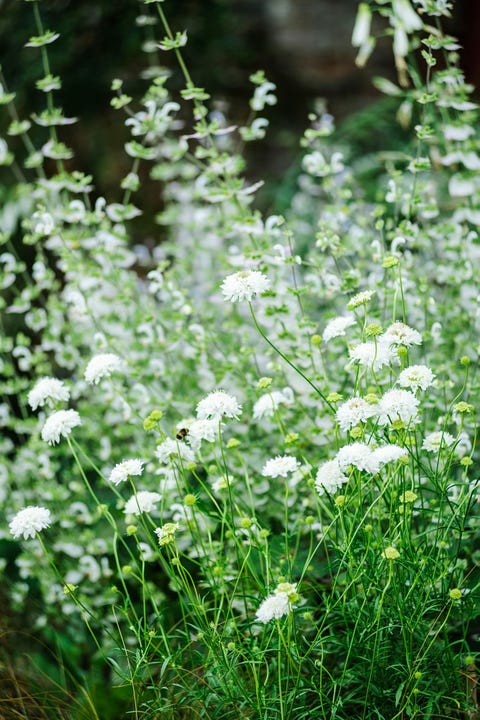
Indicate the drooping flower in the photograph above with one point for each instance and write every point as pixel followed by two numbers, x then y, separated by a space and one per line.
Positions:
pixel 416 377
pixel 330 477
pixel 29 521
pixel 436 440
pixel 398 405
pixel 337 326
pixel 47 391
pixel 354 411
pixel 269 403
pixel 101 366
pixel 125 469
pixel 143 501
pixel 244 285
pixel 217 405
pixel 60 424
pixel 280 466
pixel 400 334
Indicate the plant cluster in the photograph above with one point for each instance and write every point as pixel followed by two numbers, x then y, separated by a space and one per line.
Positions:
pixel 240 465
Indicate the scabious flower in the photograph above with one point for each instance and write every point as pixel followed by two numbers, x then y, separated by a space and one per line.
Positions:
pixel 280 466
pixel 244 285
pixel 398 405
pixel 125 469
pixel 337 326
pixel 101 366
pixel 434 441
pixel 361 298
pixel 199 430
pixel 400 334
pixel 279 604
pixel 269 403
pixel 217 405
pixel 170 449
pixel 415 377
pixel 60 424
pixel 382 456
pixel 374 355
pixel 166 533
pixel 143 501
pixel 47 391
pixel 29 521
pixel 354 411
pixel 356 454
pixel 330 477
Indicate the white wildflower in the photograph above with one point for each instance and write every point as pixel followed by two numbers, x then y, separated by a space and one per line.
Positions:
pixel 101 366
pixel 280 466
pixel 199 430
pixel 330 477
pixel 354 411
pixel 383 455
pixel 218 404
pixel 143 501
pixel 374 355
pixel 47 391
pixel 415 377
pixel 269 403
pixel 398 405
pixel 169 449
pixel 273 607
pixel 436 440
pixel 361 298
pixel 244 285
pixel 125 469
pixel 60 424
pixel 400 334
pixel 337 326
pixel 29 521
pixel 356 454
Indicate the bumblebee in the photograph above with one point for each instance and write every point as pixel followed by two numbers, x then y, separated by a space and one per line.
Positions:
pixel 181 433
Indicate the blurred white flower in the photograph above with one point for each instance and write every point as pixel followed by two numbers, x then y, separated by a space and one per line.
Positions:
pixel 47 391
pixel 434 441
pixel 400 334
pixel 60 424
pixel 273 607
pixel 218 404
pixel 337 326
pixel 143 501
pixel 29 521
pixel 330 477
pixel 101 366
pixel 280 466
pixel 125 469
pixel 244 285
pixel 398 405
pixel 268 403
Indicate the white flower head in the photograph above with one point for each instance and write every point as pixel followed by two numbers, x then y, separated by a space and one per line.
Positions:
pixel 101 366
pixel 244 285
pixel 143 501
pixel 437 440
pixel 336 327
pixel 382 456
pixel 125 469
pixel 60 424
pixel 373 355
pixel 217 405
pixel 330 477
pixel 356 454
pixel 398 405
pixel 29 521
pixel 280 466
pixel 166 533
pixel 361 298
pixel 170 449
pixel 354 411
pixel 199 430
pixel 273 607
pixel 267 404
pixel 416 377
pixel 47 391
pixel 400 334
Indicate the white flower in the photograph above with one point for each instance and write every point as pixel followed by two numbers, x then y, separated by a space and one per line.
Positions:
pixel 244 285
pixel 268 403
pixel 60 425
pixel 336 327
pixel 329 477
pixel 370 354
pixel 357 454
pixel 143 501
pixel 400 334
pixel 29 521
pixel 383 455
pixel 354 411
pixel 101 366
pixel 435 440
pixel 125 469
pixel 280 466
pixel 173 449
pixel 273 607
pixel 398 405
pixel 415 377
pixel 361 298
pixel 199 430
pixel 47 391
pixel 218 404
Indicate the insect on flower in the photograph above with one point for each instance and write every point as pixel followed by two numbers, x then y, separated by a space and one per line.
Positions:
pixel 182 433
